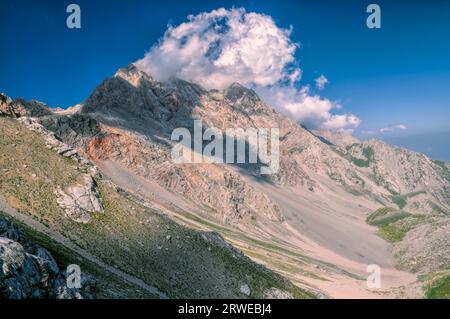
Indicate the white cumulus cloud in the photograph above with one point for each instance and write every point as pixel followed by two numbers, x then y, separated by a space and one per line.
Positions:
pixel 391 128
pixel 223 46
pixel 386 129
pixel 321 82
pixel 312 111
pixel 218 48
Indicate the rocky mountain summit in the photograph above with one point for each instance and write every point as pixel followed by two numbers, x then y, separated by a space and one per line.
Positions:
pixel 136 114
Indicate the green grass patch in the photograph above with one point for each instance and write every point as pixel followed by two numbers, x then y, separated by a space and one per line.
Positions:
pixel 360 162
pixel 439 288
pixel 378 214
pixel 399 200
pixel 394 224
pixel 392 233
pixel 368 153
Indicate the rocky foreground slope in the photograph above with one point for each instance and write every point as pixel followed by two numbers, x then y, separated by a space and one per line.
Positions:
pixel 30 271
pixel 307 221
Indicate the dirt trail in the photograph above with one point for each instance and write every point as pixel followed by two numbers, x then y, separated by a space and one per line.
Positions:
pixel 37 226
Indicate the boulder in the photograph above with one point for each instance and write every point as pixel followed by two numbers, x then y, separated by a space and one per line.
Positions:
pixel 80 200
pixel 245 289
pixel 275 293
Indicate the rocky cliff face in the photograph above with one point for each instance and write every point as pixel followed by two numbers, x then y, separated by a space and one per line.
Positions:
pixel 129 118
pixel 417 183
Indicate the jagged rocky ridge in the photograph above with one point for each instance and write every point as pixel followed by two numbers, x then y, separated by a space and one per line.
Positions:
pixel 129 117
pixel 82 199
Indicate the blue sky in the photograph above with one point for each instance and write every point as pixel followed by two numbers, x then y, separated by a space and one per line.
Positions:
pixel 399 74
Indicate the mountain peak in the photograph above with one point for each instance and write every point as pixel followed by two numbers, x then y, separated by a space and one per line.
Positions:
pixel 132 75
pixel 236 93
pixel 236 85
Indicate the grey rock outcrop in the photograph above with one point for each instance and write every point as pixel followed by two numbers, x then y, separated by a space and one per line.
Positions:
pixel 20 107
pixel 7 106
pixel 29 271
pixel 32 108
pixel 74 129
pixel 80 200
pixel 245 289
pixel 275 293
